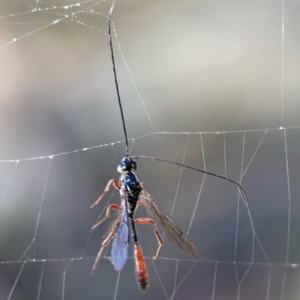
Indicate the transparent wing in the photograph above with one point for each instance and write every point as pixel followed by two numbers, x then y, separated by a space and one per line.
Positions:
pixel 119 249
pixel 171 229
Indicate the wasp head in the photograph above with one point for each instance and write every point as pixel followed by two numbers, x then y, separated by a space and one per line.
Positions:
pixel 127 165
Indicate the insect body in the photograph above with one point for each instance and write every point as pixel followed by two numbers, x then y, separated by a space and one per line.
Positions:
pixel 130 190
pixel 119 249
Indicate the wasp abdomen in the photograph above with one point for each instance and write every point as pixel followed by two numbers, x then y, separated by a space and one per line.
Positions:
pixel 140 268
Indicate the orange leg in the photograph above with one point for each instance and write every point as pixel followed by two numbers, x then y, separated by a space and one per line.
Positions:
pixel 107 215
pixel 140 268
pixel 104 244
pixel 116 185
pixel 159 238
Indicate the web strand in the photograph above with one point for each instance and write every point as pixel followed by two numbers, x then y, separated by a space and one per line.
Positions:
pixel 214 282
pixel 201 187
pixel 288 220
pixel 179 179
pixel 39 213
pixel 16 281
pixel 289 200
pixel 41 281
pixel 132 79
pixel 9 183
pixel 282 60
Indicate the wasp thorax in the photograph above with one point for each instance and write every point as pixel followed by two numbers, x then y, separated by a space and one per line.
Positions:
pixel 127 165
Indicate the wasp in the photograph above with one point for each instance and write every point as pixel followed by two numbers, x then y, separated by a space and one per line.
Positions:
pixel 133 194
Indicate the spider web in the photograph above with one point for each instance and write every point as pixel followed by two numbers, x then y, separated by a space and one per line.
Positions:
pixel 217 90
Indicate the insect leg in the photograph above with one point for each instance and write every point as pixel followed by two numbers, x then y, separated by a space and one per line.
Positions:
pixel 107 215
pixel 159 238
pixel 104 244
pixel 116 185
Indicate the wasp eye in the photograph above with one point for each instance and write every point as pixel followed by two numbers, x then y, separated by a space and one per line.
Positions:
pixel 127 165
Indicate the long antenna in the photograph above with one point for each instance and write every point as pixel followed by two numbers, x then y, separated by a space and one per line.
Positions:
pixel 198 170
pixel 116 82
pixel 125 132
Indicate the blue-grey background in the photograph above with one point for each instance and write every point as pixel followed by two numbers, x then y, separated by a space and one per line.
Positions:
pixel 200 66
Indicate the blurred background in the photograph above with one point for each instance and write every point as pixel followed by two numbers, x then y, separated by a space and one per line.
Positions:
pixel 220 84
